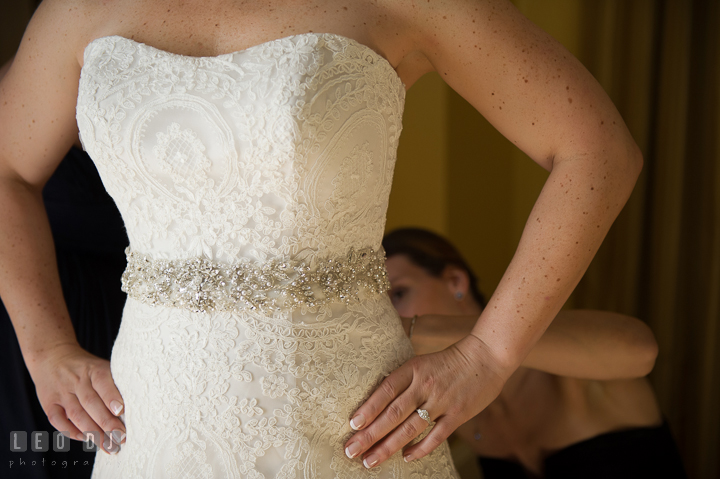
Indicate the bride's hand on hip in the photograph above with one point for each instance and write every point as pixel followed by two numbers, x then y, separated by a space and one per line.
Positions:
pixel 452 386
pixel 77 392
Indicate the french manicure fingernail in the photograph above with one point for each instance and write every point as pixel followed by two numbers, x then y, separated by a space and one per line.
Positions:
pixel 353 449
pixel 370 461
pixel 357 422
pixel 116 407
pixel 111 447
pixel 118 436
pixel 408 458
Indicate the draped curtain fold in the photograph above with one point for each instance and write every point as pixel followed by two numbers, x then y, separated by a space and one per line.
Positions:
pixel 660 62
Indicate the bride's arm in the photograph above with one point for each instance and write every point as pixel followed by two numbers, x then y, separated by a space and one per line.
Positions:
pixel 37 128
pixel 584 344
pixel 544 101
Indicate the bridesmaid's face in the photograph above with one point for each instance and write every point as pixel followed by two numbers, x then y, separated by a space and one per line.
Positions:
pixel 414 291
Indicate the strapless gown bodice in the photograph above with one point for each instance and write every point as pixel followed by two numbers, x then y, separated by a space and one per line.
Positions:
pixel 285 149
pixel 226 170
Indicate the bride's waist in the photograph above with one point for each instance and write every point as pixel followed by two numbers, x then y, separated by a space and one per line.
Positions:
pixel 277 285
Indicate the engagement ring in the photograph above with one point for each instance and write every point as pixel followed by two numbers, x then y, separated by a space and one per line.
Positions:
pixel 424 414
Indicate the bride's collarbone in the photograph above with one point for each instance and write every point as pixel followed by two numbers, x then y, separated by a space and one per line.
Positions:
pixel 203 28
pixel 207 29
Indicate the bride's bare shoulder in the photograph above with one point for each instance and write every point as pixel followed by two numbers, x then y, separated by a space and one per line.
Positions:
pixel 39 91
pixel 66 25
pixel 518 77
pixel 418 33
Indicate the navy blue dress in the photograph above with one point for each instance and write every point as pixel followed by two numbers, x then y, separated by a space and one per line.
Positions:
pixel 637 453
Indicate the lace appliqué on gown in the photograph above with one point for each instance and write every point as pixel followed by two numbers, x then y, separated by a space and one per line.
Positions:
pixel 280 153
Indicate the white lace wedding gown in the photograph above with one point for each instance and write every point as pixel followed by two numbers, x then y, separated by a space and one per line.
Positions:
pixel 254 187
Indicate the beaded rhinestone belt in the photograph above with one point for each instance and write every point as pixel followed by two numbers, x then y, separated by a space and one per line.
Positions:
pixel 200 285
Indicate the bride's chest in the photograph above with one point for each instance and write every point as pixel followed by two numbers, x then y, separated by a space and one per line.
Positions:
pixel 287 103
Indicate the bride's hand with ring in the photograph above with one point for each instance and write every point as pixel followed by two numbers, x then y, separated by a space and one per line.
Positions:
pixel 452 385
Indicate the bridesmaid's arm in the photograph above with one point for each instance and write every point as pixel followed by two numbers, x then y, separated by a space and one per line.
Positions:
pixel 544 101
pixel 583 344
pixel 37 128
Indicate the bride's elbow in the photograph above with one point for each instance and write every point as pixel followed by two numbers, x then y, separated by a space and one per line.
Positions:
pixel 635 160
pixel 631 164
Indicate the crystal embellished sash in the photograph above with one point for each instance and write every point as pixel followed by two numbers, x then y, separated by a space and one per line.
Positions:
pixel 200 285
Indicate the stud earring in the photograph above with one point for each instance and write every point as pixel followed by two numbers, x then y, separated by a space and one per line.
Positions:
pixel 459 296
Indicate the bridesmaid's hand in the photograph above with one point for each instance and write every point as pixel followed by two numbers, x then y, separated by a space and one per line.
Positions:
pixel 77 392
pixel 452 385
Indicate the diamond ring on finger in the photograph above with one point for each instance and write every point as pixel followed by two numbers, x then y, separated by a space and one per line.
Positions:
pixel 424 414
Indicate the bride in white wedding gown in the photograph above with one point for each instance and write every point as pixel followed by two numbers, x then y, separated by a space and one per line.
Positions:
pixel 254 187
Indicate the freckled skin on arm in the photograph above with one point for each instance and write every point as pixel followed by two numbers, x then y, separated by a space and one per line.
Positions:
pixel 32 144
pixel 543 100
pixel 37 127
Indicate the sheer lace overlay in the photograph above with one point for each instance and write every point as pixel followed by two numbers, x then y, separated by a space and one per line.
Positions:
pixel 283 152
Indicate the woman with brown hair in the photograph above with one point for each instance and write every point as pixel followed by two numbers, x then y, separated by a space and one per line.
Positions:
pixel 579 406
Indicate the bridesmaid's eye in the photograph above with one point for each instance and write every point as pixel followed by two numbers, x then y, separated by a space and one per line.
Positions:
pixel 397 294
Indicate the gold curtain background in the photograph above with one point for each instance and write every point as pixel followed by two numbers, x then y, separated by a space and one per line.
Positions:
pixel 659 60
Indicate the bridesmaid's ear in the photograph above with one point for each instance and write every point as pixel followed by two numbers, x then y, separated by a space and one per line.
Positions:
pixel 457 281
